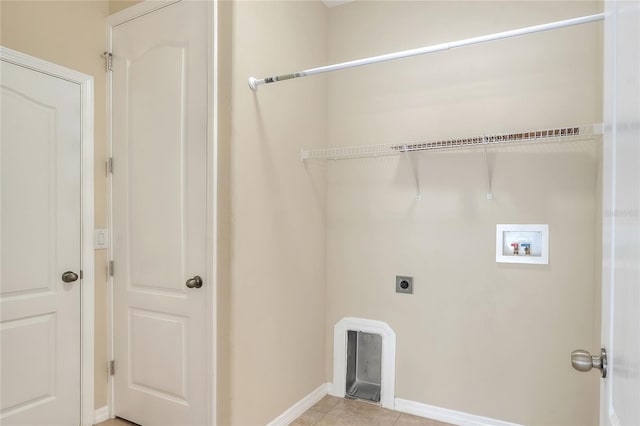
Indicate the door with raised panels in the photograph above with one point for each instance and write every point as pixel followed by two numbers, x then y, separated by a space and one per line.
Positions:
pixel 620 391
pixel 159 140
pixel 40 248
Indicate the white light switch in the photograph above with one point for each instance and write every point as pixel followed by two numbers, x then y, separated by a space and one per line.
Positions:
pixel 101 239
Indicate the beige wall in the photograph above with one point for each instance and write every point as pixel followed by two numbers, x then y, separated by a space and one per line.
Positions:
pixel 223 171
pixel 275 296
pixel 477 336
pixel 311 243
pixel 277 203
pixel 118 5
pixel 72 34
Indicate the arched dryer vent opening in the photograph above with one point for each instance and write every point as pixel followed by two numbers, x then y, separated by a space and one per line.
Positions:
pixel 364 361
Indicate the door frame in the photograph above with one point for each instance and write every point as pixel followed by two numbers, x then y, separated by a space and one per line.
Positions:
pixel 608 202
pixel 213 158
pixel 86 216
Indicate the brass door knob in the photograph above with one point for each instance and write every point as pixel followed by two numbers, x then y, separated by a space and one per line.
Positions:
pixel 195 282
pixel 69 277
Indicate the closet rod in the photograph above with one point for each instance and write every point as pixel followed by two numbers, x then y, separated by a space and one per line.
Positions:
pixel 255 82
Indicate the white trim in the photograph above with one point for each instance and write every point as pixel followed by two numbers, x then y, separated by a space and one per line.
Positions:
pixel 109 206
pixel 446 415
pixel 36 64
pixel 608 190
pixel 297 409
pixel 101 415
pixel 87 252
pixel 113 21
pixel 212 215
pixel 613 418
pixel 387 380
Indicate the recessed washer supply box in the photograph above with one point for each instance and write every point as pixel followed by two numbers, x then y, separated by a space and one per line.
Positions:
pixel 522 243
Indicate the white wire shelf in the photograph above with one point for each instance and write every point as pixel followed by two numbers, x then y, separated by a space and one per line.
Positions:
pixel 546 136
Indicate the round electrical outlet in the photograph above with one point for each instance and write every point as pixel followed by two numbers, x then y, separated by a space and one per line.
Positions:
pixel 404 284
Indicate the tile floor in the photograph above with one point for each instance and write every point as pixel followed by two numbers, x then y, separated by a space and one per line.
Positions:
pixel 116 422
pixel 332 411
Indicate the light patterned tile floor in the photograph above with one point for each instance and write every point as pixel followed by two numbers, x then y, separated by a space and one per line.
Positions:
pixel 332 411
pixel 116 422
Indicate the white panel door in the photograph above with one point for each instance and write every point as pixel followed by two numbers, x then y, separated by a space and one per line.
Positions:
pixel 620 392
pixel 40 234
pixel 159 215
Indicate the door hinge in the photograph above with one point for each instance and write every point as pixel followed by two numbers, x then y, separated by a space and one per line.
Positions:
pixel 111 268
pixel 110 165
pixel 112 367
pixel 108 61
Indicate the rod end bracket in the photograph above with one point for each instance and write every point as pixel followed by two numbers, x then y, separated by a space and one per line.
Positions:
pixel 253 84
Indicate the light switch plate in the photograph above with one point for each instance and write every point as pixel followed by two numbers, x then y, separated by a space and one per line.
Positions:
pixel 101 239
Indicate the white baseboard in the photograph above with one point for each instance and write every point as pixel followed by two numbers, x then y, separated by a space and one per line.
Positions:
pixel 445 415
pixel 300 407
pixel 101 415
pixel 614 421
pixel 333 390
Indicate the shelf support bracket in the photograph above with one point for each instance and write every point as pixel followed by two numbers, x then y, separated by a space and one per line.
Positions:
pixel 414 168
pixel 486 163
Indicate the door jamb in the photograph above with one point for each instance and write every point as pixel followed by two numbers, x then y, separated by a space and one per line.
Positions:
pixel 118 18
pixel 87 198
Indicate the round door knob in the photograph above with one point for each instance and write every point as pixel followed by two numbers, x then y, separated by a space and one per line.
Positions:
pixel 582 360
pixel 195 282
pixel 69 277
